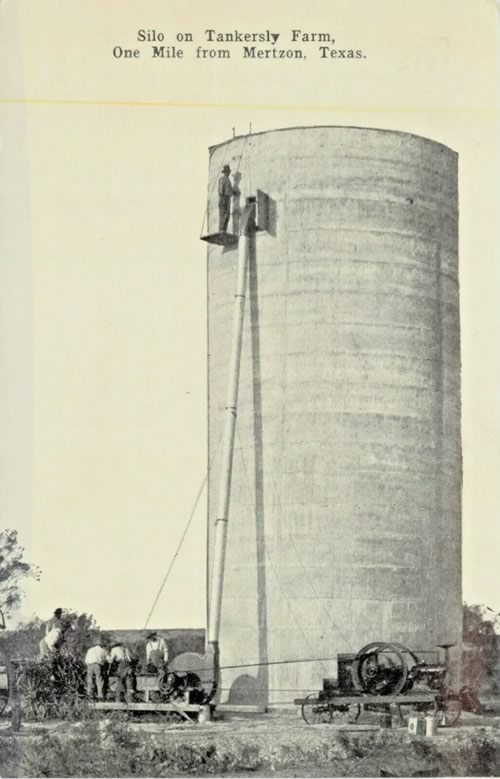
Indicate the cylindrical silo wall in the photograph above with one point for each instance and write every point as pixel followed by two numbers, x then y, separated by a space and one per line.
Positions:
pixel 344 523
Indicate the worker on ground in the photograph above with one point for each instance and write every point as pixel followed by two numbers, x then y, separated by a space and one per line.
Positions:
pixel 157 655
pixel 226 192
pixel 120 662
pixel 96 661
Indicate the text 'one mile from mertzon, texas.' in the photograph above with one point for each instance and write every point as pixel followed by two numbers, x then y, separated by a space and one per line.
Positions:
pixel 218 44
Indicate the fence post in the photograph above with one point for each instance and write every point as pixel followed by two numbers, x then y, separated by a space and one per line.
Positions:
pixel 15 707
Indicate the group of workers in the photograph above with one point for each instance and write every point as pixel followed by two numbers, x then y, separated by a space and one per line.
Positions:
pixel 102 663
pixel 103 660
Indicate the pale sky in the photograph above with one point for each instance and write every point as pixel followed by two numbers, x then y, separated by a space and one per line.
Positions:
pixel 103 276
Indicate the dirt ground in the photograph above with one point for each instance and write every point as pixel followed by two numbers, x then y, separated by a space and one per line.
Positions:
pixel 276 744
pixel 289 747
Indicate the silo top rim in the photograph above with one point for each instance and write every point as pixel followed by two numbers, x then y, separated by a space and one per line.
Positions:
pixel 332 127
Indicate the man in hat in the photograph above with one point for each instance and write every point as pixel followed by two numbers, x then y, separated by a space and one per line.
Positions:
pixel 96 661
pixel 55 621
pixel 157 654
pixel 226 192
pixel 120 660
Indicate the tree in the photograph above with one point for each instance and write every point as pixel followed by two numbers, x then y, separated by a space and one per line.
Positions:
pixel 82 629
pixel 23 642
pixel 13 569
pixel 55 684
pixel 480 656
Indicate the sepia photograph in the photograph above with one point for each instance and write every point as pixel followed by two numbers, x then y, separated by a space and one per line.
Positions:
pixel 249 396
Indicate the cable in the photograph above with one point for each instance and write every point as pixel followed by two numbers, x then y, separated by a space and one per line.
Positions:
pixel 270 662
pixel 241 153
pixel 198 496
pixel 280 662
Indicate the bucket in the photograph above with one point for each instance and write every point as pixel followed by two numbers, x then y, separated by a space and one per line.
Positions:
pixel 431 725
pixel 204 714
pixel 416 725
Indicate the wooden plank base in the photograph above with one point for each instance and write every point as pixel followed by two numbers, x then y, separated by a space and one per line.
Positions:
pixel 119 706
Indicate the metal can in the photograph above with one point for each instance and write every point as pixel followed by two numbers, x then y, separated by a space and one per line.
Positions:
pixel 431 725
pixel 416 725
pixel 205 715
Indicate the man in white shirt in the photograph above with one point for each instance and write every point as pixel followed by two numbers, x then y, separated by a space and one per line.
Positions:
pixel 157 655
pixel 119 654
pixel 226 192
pixel 96 661
pixel 56 621
pixel 156 651
pixel 120 658
pixel 50 642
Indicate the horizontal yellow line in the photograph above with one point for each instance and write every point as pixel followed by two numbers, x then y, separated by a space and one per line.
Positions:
pixel 253 106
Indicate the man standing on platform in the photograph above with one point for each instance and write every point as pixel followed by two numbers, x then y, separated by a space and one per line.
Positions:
pixel 157 655
pixel 120 658
pixel 226 192
pixel 96 661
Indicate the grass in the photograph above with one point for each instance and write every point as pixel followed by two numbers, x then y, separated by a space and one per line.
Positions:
pixel 112 748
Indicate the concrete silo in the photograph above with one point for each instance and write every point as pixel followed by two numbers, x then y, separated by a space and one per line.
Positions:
pixel 345 510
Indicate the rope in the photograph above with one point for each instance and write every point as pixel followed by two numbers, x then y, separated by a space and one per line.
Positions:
pixel 272 662
pixel 281 662
pixel 272 566
pixel 248 168
pixel 198 496
pixel 269 689
pixel 216 180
